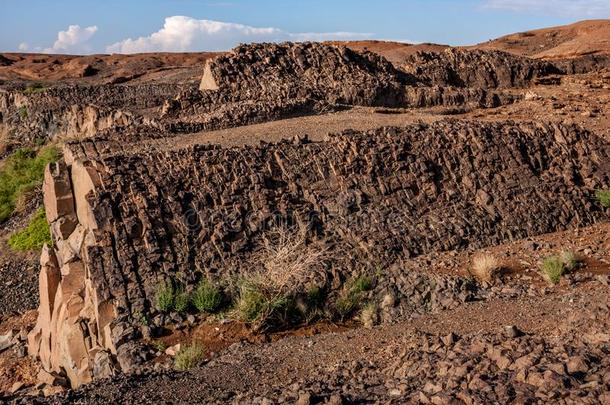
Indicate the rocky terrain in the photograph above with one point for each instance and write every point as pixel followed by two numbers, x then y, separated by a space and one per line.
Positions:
pixel 397 208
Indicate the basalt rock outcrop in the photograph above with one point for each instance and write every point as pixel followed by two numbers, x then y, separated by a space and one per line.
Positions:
pixel 476 68
pixel 78 111
pixel 122 223
pixel 318 77
pixel 252 84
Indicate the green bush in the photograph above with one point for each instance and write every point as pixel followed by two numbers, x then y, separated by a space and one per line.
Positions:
pixel 555 267
pixel 261 305
pixel 207 297
pixel 315 297
pixel 165 297
pixel 22 172
pixel 352 295
pixel 603 196
pixel 189 356
pixel 23 112
pixel 34 236
pixel 34 88
pixel 182 301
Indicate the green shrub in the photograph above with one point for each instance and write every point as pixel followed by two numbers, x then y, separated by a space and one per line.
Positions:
pixel 165 297
pixel 182 301
pixel 603 196
pixel 261 305
pixel 23 112
pixel 159 345
pixel 207 297
pixel 34 236
pixel 315 297
pixel 352 295
pixel 189 356
pixel 22 172
pixel 555 267
pixel 34 88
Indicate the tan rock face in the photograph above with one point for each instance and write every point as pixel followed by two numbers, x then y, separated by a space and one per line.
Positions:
pixel 208 82
pixel 73 323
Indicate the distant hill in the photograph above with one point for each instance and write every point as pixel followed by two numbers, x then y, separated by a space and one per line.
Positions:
pixel 568 41
pixel 582 38
pixel 392 51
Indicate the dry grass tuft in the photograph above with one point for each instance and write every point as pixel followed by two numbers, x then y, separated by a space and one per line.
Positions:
pixel 267 297
pixel 287 260
pixel 485 267
pixel 369 316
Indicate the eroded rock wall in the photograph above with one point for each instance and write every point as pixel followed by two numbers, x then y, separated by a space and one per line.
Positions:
pixel 78 111
pixel 476 69
pixel 124 223
pixel 260 82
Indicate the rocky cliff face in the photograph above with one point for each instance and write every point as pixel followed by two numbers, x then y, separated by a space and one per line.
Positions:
pixel 78 111
pixel 476 68
pixel 124 223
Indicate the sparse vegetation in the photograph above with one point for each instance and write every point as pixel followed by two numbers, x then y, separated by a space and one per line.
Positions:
pixel 569 260
pixel 603 196
pixel 23 112
pixel 21 173
pixel 34 88
pixel 165 297
pixel 269 297
pixel 369 316
pixel 352 295
pixel 34 236
pixel 555 267
pixel 262 305
pixel 189 356
pixel 207 297
pixel 159 345
pixel 485 267
pixel 182 301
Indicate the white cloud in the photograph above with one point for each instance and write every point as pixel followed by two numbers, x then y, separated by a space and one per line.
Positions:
pixel 182 34
pixel 23 47
pixel 74 40
pixel 567 8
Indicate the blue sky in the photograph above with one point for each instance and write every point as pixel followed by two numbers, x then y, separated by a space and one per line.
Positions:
pixel 84 26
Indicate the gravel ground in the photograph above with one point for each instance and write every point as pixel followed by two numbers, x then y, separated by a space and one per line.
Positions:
pixel 557 352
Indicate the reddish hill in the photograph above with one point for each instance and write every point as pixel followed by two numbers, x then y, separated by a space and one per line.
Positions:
pixel 393 51
pixel 582 38
pixel 98 69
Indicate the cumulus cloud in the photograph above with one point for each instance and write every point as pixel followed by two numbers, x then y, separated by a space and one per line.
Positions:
pixel 568 8
pixel 74 40
pixel 182 34
pixel 24 46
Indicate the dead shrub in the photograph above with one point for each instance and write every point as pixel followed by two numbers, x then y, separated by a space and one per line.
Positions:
pixel 267 297
pixel 485 267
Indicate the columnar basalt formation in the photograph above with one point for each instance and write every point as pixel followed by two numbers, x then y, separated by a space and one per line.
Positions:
pixel 476 69
pixel 123 223
pixel 260 82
